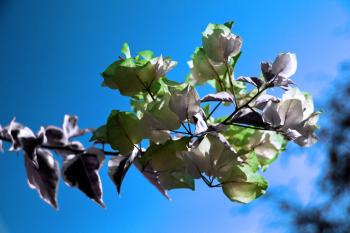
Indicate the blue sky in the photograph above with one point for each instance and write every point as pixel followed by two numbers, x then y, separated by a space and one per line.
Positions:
pixel 51 55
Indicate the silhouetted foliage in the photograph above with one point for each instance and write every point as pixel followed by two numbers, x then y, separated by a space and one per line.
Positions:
pixel 330 212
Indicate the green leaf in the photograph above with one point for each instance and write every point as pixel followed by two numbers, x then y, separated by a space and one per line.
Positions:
pixel 126 50
pixel 123 131
pixel 158 119
pixel 243 184
pixel 129 76
pixel 147 54
pixel 100 134
pixel 203 69
pixel 213 156
pixel 176 180
pixel 171 169
pixel 238 137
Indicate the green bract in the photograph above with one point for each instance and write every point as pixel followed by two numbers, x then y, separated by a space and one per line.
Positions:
pixel 123 131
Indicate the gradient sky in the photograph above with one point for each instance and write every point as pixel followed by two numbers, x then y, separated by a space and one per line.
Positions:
pixel 51 55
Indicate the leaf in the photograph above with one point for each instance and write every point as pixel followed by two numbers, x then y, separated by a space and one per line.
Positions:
pixel 82 171
pixel 248 117
pixel 203 69
pixel 28 142
pixel 257 82
pixel 229 24
pixel 266 70
pixel 158 119
pixel 213 156
pixel 129 76
pixel 176 180
pixel 123 131
pixel 243 185
pixel 239 137
pixel 126 50
pixel 152 176
pixel 100 134
pixel 219 43
pixel 146 54
pixel 119 166
pixel 220 96
pixel 185 103
pixel 171 169
pixel 43 177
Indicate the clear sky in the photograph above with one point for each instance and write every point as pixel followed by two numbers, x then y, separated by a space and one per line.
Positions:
pixel 51 55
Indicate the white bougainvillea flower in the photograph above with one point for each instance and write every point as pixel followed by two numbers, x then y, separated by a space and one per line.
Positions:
pixel 267 145
pixel 162 66
pixel 203 68
pixel 220 43
pixel 70 127
pixel 263 100
pixel 185 103
pixel 278 74
pixel 285 65
pixel 293 116
pixel 213 156
pixel 306 101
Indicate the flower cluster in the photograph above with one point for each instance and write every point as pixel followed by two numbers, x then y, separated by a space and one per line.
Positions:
pixel 172 135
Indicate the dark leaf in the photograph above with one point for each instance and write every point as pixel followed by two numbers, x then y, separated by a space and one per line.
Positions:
pixel 118 167
pixel 43 177
pixel 28 142
pixel 249 117
pixel 252 80
pixel 266 69
pixel 229 24
pixel 220 96
pixel 81 171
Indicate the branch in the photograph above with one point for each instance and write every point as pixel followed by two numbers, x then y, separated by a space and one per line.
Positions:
pixel 244 105
pixel 65 148
pixel 146 88
pixel 230 80
pixel 214 109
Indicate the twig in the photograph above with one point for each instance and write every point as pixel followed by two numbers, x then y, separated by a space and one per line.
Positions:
pixel 65 148
pixel 230 80
pixel 214 109
pixel 144 86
